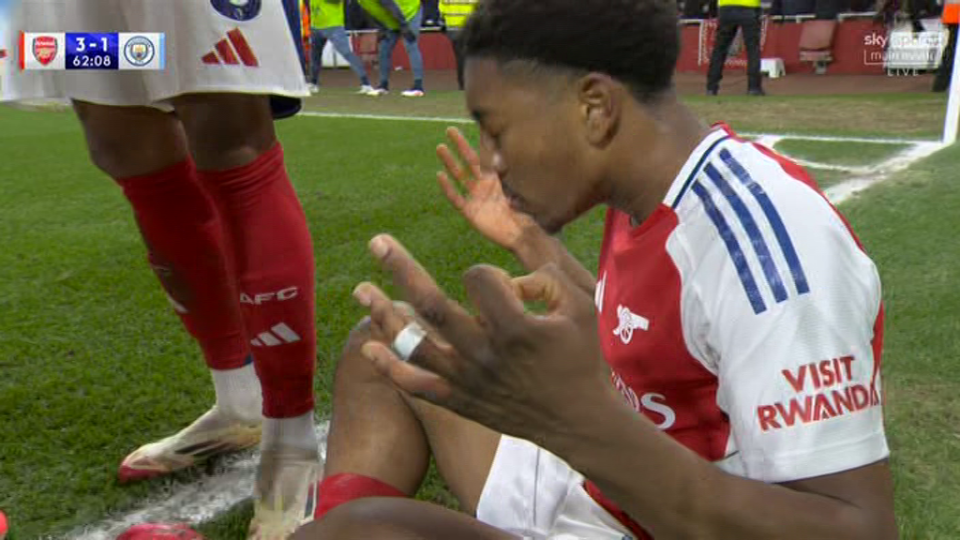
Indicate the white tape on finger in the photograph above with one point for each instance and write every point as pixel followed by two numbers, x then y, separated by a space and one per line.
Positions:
pixel 408 340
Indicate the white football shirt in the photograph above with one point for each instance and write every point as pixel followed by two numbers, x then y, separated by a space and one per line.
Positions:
pixel 745 320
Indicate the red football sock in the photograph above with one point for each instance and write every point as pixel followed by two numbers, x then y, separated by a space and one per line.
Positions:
pixel 274 267
pixel 180 226
pixel 343 488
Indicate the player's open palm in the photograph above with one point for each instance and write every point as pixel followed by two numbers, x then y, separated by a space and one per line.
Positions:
pixel 476 193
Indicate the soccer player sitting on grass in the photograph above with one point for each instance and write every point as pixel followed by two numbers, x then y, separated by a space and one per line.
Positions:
pixel 720 379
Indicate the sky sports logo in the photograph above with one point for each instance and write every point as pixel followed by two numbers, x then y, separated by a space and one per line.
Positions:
pixel 904 49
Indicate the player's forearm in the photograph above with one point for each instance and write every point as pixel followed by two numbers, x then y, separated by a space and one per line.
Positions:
pixel 674 493
pixel 536 248
pixel 394 9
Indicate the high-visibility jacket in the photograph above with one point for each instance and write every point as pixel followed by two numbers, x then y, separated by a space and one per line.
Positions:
pixel 409 8
pixel 741 3
pixel 456 12
pixel 951 12
pixel 327 13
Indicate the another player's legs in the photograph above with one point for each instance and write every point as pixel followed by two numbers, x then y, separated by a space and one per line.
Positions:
pixel 241 164
pixel 182 231
pixel 454 35
pixel 416 58
pixel 727 28
pixel 317 42
pixel 388 42
pixel 751 28
pixel 337 35
pixel 380 440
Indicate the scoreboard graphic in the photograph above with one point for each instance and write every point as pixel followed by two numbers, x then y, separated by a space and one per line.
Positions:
pixel 106 51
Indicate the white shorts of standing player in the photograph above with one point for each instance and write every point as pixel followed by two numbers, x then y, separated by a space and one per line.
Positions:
pixel 219 46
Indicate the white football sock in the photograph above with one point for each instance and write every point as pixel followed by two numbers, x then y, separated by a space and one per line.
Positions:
pixel 297 432
pixel 238 393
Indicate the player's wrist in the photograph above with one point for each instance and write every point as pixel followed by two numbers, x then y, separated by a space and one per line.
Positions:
pixel 597 421
pixel 528 244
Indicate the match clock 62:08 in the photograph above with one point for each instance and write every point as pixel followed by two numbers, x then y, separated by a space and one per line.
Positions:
pixel 92 51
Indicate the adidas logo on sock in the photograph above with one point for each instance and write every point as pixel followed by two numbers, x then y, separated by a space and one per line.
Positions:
pixel 278 335
pixel 232 50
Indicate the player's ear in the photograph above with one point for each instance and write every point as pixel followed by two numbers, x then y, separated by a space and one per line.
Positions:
pixel 600 104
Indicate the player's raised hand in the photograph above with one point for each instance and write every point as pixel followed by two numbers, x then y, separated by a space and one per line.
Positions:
pixel 476 193
pixel 511 370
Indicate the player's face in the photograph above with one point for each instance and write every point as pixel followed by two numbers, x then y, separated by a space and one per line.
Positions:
pixel 530 135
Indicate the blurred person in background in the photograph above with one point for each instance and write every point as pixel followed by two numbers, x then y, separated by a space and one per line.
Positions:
pixel 397 19
pixel 327 21
pixel 733 15
pixel 455 14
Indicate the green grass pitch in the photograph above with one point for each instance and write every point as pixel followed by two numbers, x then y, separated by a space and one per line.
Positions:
pixel 93 362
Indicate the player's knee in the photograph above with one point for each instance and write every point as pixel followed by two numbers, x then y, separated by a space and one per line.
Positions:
pixel 352 367
pixel 359 334
pixel 363 331
pixel 157 144
pixel 226 131
pixel 107 157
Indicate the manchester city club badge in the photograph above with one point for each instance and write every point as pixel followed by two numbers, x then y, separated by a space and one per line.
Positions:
pixel 139 51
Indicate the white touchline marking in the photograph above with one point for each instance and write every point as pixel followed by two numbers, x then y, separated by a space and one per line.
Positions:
pixel 896 162
pixel 196 502
pixel 865 176
pixel 844 190
pixel 232 483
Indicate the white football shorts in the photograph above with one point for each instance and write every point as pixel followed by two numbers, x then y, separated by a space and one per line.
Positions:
pixel 535 495
pixel 228 46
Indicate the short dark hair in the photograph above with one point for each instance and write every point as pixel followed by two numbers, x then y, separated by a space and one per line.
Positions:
pixel 634 41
